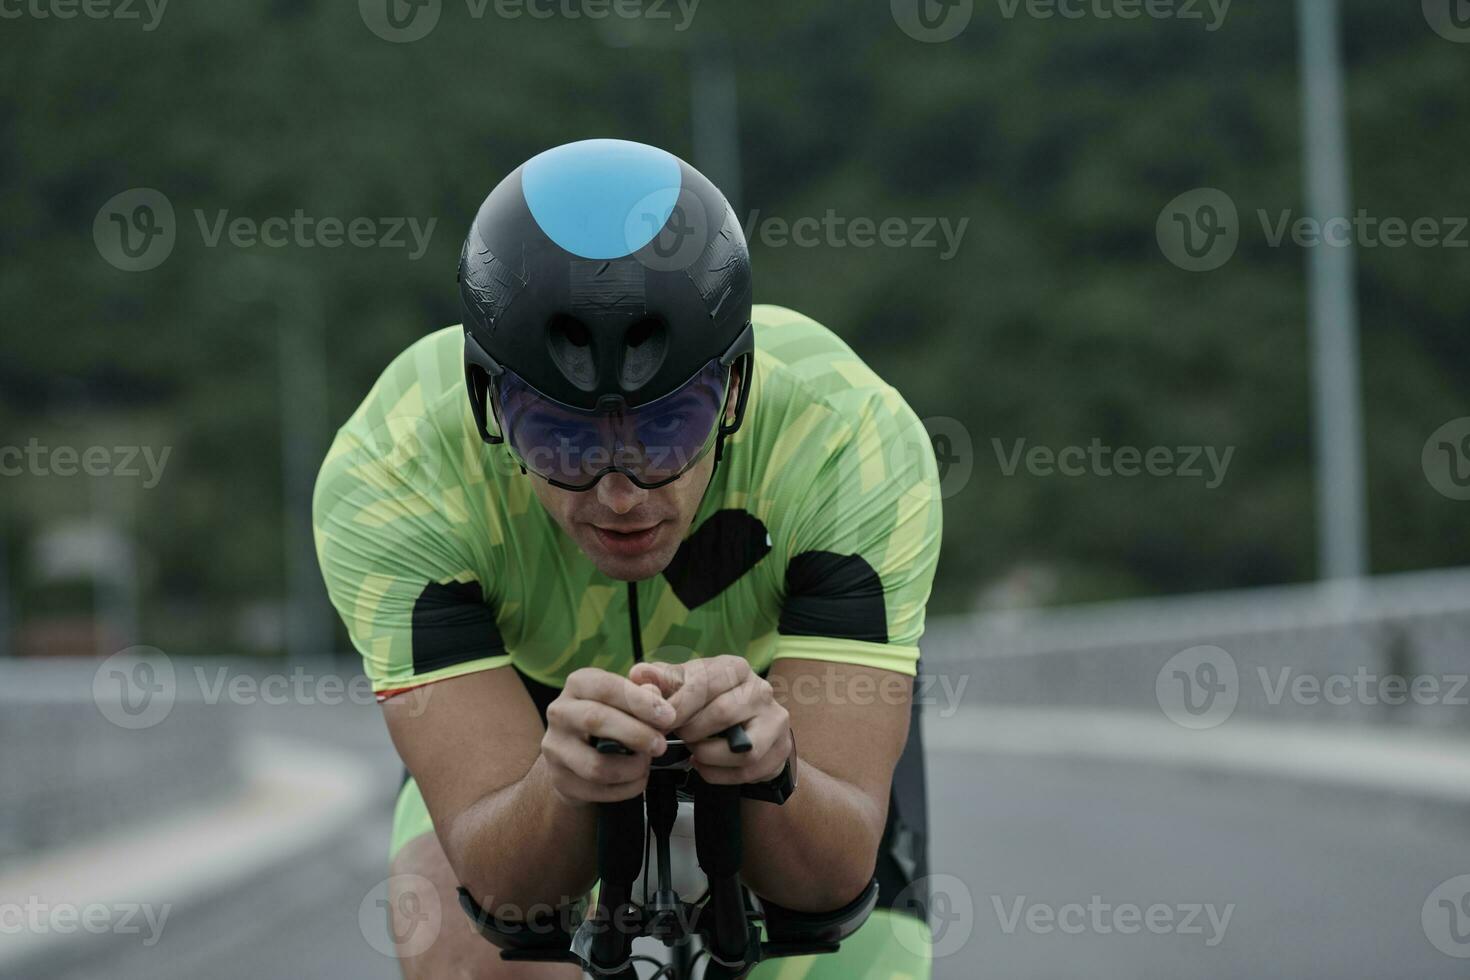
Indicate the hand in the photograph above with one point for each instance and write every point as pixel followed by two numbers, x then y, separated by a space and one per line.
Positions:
pixel 598 702
pixel 711 694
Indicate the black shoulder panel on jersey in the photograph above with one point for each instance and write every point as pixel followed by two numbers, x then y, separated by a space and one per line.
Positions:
pixel 714 557
pixel 453 625
pixel 833 595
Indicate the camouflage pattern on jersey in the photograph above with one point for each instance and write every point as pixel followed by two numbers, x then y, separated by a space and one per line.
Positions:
pixel 817 538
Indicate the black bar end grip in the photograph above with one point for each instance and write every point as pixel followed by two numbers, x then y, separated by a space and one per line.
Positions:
pixel 608 746
pixel 739 741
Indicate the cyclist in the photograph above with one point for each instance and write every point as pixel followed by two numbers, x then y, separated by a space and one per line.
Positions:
pixel 659 509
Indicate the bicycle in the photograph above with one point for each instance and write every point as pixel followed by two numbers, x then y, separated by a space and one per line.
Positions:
pixel 722 928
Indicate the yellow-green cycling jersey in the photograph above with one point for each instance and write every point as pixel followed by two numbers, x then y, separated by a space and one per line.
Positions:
pixel 817 537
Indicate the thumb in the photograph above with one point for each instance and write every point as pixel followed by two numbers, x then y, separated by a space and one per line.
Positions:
pixel 666 677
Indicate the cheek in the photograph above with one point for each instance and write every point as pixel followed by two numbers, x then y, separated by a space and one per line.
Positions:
pixel 560 504
pixel 687 492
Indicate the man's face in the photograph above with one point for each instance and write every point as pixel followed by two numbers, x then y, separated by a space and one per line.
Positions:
pixel 630 533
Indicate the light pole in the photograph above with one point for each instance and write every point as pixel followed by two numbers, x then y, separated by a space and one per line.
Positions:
pixel 713 109
pixel 714 114
pixel 1342 523
pixel 303 418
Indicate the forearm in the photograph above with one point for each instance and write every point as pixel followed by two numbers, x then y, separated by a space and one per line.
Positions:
pixel 525 845
pixel 818 850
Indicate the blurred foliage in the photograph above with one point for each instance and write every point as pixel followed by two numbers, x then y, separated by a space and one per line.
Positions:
pixel 1058 321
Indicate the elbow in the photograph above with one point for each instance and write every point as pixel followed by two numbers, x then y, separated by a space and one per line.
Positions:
pixel 836 877
pixel 836 886
pixel 846 885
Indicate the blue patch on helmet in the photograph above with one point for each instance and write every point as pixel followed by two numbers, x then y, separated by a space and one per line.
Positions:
pixel 601 199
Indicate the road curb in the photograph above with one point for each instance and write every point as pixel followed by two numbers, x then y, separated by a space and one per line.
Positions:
pixel 1428 767
pixel 296 794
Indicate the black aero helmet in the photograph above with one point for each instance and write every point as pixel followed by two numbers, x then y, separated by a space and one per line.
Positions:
pixel 607 283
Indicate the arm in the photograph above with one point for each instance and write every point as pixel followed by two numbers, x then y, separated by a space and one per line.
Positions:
pixel 816 852
pixel 515 806
pixel 511 802
pixel 475 751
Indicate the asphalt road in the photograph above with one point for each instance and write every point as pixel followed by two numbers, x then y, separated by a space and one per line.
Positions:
pixel 1047 856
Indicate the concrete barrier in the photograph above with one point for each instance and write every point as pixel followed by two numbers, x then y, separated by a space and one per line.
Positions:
pixel 1308 653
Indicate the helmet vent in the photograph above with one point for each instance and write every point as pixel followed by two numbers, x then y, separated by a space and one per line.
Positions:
pixel 570 344
pixel 644 345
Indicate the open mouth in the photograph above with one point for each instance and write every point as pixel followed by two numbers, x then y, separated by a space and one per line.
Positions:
pixel 627 543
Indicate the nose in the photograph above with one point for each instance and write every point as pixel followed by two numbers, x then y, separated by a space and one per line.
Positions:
pixel 619 494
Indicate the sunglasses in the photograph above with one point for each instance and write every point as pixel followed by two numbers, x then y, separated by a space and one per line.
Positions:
pixel 651 444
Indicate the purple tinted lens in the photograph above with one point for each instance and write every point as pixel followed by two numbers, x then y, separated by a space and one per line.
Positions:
pixel 653 442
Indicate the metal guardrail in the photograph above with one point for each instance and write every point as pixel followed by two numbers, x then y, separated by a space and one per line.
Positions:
pixel 1301 653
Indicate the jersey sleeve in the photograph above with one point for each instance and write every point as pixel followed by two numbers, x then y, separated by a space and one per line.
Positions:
pixel 862 552
pixel 389 540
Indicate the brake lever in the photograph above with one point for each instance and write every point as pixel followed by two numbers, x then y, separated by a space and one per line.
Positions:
pixel 734 737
